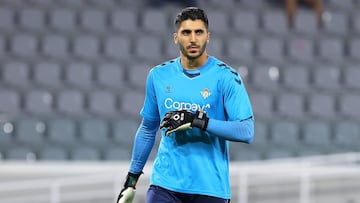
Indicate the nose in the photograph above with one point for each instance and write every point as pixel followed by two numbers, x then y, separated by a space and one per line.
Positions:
pixel 193 37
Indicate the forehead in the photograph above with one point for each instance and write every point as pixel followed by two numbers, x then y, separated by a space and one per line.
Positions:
pixel 192 25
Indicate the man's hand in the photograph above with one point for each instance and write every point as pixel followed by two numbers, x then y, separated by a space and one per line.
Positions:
pixel 127 194
pixel 183 120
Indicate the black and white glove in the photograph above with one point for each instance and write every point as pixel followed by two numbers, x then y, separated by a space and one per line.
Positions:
pixel 183 120
pixel 127 194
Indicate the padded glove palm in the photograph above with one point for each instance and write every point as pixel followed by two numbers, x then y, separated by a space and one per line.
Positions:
pixel 183 120
pixel 127 194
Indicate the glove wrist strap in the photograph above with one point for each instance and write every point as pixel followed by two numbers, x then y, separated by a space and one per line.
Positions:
pixel 131 180
pixel 200 120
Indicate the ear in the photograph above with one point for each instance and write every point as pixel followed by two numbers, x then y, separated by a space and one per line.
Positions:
pixel 208 37
pixel 176 38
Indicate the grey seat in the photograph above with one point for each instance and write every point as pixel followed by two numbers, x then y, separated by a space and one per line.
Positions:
pixel 317 134
pixel 10 101
pixel 148 48
pixel 79 74
pixel 93 20
pixel 296 77
pixel 215 47
pixel 53 153
pixel 118 154
pixel 39 102
pixel 125 20
pixel 62 131
pixel 355 22
pixel 349 105
pixel 347 134
pixel 271 49
pixel 241 48
pixel 290 105
pixel 55 46
pixel 95 132
pixel 336 23
pixel 331 49
pixel 351 77
pixel 261 135
pixel 354 49
pixel 263 104
pixel 322 105
pixel 86 47
pixel 246 22
pixel 31 132
pixel 138 74
pixel 305 23
pixel 85 153
pixel 3 44
pixel 123 131
pixel 103 103
pixel 21 153
pixel 16 73
pixel 71 4
pixel 32 19
pixel 266 77
pixel 275 22
pixel 110 75
pixel 220 22
pixel 301 49
pixel 171 49
pixel 70 102
pixel 327 77
pixel 279 153
pixel 285 133
pixel 131 103
pixel 7 19
pixel 63 19
pixel 48 74
pixel 346 5
pixel 6 134
pixel 118 48
pixel 24 45
pixel 155 21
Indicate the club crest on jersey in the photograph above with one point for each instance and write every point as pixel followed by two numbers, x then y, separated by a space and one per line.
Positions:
pixel 168 89
pixel 205 93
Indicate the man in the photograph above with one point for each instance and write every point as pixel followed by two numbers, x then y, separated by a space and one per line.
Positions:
pixel 200 104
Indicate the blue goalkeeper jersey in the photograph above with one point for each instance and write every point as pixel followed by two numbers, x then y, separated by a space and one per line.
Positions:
pixel 194 161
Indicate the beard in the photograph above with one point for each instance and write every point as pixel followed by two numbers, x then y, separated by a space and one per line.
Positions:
pixel 184 51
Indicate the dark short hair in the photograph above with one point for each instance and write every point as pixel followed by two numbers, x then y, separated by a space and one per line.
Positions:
pixel 192 13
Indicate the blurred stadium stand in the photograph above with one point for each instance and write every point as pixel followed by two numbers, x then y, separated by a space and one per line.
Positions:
pixel 72 75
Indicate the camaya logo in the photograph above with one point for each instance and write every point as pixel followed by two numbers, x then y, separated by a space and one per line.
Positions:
pixel 171 104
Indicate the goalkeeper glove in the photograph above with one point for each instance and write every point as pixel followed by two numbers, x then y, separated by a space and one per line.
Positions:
pixel 127 194
pixel 183 120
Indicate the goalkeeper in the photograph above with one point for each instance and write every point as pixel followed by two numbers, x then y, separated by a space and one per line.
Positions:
pixel 200 104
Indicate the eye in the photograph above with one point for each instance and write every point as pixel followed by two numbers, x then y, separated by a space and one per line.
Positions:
pixel 199 32
pixel 186 32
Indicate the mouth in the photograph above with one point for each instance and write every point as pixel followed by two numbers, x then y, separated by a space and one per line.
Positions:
pixel 193 48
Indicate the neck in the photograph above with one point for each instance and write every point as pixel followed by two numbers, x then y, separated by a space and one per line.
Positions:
pixel 190 64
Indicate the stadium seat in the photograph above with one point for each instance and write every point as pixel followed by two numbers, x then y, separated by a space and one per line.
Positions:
pixel 219 22
pixel 32 19
pixel 290 105
pixel 53 153
pixel 39 102
pixel 79 74
pixel 275 22
pixel 71 4
pixel 7 19
pixel 55 46
pixel 103 103
pixel 349 105
pixel 86 47
pixel 271 49
pixel 63 19
pixel 171 49
pixel 335 23
pixel 24 45
pixel 317 135
pixel 93 20
pixel 215 47
pixel 132 102
pixel 137 75
pixel 261 134
pixel 62 131
pixel 296 77
pixel 125 20
pixel 322 105
pixel 327 77
pixel 355 22
pixel 30 132
pixel 95 132
pixel 285 133
pixel 3 51
pixel 16 73
pixel 20 153
pixel 305 23
pixel 347 134
pixel 148 48
pixel 351 79
pixel 70 102
pixel 110 75
pixel 48 74
pixel 354 49
pixel 266 77
pixel 118 48
pixel 123 132
pixel 6 134
pixel 10 101
pixel 245 22
pixel 155 21
pixel 240 48
pixel 263 104
pixel 301 49
pixel 117 154
pixel 331 50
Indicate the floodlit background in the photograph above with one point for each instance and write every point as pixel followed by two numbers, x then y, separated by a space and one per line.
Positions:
pixel 72 78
